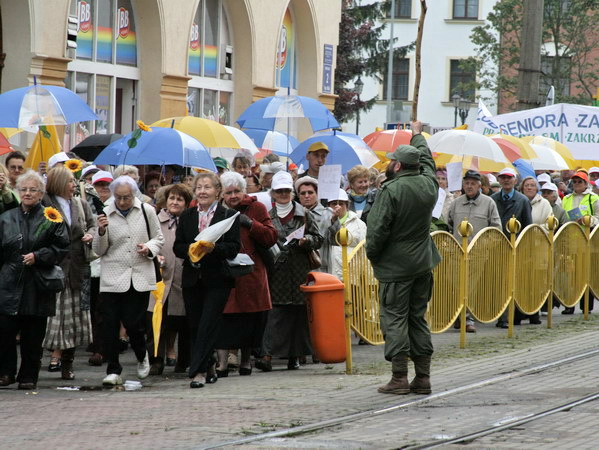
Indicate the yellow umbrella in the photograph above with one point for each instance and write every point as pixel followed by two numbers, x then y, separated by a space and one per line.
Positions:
pixel 9 132
pixel 208 132
pixel 526 151
pixel 157 314
pixel 45 145
pixel 472 163
pixel 554 145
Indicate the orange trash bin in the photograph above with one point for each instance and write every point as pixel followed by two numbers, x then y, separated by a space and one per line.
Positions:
pixel 326 316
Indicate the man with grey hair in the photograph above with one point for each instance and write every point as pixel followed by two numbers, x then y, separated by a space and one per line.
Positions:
pixel 403 255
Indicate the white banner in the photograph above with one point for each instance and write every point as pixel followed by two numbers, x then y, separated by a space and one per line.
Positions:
pixel 576 126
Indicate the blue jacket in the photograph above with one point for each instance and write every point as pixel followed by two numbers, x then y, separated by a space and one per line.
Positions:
pixel 518 206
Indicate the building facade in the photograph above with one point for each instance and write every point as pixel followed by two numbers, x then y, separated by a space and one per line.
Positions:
pixel 152 59
pixel 446 41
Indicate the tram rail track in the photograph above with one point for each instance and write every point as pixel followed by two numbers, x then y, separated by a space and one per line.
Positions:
pixel 516 373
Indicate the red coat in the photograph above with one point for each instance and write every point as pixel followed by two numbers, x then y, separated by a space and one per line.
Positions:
pixel 251 293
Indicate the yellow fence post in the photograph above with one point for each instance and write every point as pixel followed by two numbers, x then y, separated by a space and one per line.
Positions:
pixel 513 226
pixel 465 229
pixel 586 220
pixel 552 224
pixel 343 239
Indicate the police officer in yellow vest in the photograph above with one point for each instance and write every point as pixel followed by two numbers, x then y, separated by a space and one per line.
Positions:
pixel 582 202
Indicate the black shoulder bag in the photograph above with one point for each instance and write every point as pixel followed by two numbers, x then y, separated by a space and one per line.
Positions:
pixel 155 258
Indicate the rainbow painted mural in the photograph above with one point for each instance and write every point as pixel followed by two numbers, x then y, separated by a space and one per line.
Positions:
pixel 286 53
pixel 210 58
pixel 104 44
pixel 126 49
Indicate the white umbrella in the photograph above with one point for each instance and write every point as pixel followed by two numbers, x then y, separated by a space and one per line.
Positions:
pixel 466 143
pixel 246 146
pixel 547 159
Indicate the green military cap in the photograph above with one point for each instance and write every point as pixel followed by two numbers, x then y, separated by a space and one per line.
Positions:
pixel 221 162
pixel 405 154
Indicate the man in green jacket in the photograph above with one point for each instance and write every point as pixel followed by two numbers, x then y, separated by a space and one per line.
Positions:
pixel 403 255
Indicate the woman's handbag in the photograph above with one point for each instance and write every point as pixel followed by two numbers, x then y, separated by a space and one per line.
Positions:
pixel 155 258
pixel 239 266
pixel 49 278
pixel 314 259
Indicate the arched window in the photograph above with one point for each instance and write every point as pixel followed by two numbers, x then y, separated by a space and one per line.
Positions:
pixel 286 59
pixel 104 72
pixel 209 61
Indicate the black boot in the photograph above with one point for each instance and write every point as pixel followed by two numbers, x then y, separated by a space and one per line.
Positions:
pixel 421 384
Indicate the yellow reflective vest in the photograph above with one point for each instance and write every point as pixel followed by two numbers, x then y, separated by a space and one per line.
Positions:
pixel 585 206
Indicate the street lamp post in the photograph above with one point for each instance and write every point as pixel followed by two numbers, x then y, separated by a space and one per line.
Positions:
pixel 358 86
pixel 461 108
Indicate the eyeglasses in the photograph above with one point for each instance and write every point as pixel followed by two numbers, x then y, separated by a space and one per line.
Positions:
pixel 577 180
pixel 16 168
pixel 123 198
pixel 32 190
pixel 282 191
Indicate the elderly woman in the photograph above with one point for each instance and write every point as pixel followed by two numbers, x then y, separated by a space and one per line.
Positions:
pixel 245 315
pixel 71 326
pixel 128 237
pixel 32 241
pixel 361 197
pixel 342 217
pixel 206 284
pixel 287 333
pixel 178 197
pixel 541 208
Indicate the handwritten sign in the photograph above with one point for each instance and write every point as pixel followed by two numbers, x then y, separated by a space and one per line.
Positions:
pixel 329 181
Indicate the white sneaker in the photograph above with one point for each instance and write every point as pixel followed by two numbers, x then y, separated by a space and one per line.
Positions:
pixel 112 380
pixel 143 368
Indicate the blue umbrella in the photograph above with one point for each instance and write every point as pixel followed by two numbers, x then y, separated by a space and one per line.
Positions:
pixel 42 105
pixel 272 113
pixel 274 141
pixel 160 146
pixel 346 149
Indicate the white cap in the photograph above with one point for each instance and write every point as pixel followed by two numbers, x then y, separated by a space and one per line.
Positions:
pixel 305 180
pixel 57 158
pixel 491 178
pixel 89 169
pixel 274 167
pixel 341 195
pixel 544 178
pixel 282 180
pixel 549 186
pixel 507 171
pixel 102 175
pixel 593 170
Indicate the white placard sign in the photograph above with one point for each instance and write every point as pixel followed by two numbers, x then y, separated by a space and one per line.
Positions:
pixel 454 176
pixel 329 181
pixel 440 202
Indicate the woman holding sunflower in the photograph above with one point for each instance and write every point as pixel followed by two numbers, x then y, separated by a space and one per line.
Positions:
pixel 32 238
pixel 71 326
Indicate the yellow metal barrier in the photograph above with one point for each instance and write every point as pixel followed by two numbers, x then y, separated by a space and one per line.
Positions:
pixel 487 276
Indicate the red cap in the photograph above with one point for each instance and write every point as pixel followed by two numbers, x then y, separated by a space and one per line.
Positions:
pixel 292 166
pixel 582 175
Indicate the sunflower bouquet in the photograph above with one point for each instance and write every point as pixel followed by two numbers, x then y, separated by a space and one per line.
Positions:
pixel 52 215
pixel 75 166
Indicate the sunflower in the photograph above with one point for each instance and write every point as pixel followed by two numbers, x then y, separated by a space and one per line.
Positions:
pixel 142 126
pixel 74 165
pixel 52 215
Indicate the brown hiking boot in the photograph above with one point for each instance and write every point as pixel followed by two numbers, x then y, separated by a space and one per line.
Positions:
pixel 421 385
pixel 398 385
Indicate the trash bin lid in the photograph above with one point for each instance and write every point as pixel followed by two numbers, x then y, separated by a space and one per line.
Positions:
pixel 320 281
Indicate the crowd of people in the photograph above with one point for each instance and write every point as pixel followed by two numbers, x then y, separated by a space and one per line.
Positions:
pixel 83 247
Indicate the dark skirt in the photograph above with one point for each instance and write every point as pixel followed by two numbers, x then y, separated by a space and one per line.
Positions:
pixel 287 333
pixel 242 330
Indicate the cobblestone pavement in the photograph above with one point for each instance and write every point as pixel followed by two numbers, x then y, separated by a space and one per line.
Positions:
pixel 167 414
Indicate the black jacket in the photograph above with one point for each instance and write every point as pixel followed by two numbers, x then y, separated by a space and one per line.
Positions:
pixel 18 293
pixel 518 206
pixel 211 266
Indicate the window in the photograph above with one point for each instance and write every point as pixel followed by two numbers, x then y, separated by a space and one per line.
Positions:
pixel 460 81
pixel 465 9
pixel 558 78
pixel 401 80
pixel 403 9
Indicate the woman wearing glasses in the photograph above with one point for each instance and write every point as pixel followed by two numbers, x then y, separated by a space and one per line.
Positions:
pixel 287 334
pixel 31 238
pixel 127 239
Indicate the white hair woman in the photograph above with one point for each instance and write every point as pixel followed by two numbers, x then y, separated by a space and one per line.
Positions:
pixel 245 314
pixel 32 238
pixel 206 287
pixel 128 237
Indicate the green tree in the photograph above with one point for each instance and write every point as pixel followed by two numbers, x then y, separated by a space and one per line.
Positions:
pixel 361 52
pixel 570 26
